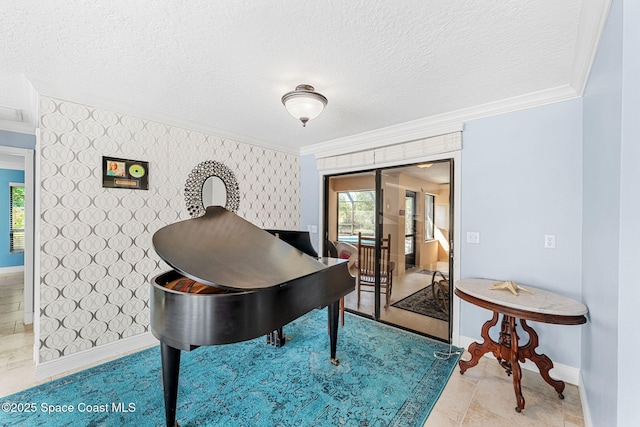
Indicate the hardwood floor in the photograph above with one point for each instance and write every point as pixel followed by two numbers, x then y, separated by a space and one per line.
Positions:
pixel 483 396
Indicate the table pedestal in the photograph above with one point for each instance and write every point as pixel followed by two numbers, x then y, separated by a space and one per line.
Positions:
pixel 509 354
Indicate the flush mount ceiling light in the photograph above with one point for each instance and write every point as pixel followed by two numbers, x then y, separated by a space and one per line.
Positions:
pixel 304 103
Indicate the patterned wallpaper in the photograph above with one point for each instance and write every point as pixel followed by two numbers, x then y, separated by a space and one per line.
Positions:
pixel 96 258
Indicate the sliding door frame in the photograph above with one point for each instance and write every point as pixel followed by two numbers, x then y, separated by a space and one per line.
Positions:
pixel 455 215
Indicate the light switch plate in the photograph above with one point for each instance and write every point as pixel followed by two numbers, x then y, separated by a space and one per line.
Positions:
pixel 473 237
pixel 550 241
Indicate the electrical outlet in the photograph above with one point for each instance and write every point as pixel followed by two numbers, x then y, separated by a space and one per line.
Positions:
pixel 550 241
pixel 473 237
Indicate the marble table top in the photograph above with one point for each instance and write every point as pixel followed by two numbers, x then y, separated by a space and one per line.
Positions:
pixel 540 301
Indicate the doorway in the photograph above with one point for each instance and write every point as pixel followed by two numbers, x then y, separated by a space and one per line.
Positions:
pixel 411 205
pixel 410 230
pixel 17 283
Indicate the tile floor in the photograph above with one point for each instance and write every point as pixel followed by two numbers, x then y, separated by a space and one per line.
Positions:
pixel 403 286
pixel 483 396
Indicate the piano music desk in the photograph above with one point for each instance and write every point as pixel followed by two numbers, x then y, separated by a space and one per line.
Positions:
pixel 539 306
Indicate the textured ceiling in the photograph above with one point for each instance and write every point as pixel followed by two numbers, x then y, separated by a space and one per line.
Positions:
pixel 225 65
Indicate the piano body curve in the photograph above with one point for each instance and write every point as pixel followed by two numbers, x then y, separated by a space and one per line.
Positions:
pixel 252 284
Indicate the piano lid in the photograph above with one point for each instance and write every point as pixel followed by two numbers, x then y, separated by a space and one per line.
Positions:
pixel 224 250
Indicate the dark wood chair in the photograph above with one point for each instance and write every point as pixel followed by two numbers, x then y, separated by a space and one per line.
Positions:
pixel 366 267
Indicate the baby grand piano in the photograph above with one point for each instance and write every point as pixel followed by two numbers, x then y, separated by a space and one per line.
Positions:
pixel 232 281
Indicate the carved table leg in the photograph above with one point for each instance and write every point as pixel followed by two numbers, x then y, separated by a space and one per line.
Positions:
pixel 542 361
pixel 478 350
pixel 515 366
pixel 504 354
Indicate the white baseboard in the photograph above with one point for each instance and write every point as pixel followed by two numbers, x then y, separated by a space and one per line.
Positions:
pixel 565 373
pixel 13 269
pixel 94 356
pixel 586 412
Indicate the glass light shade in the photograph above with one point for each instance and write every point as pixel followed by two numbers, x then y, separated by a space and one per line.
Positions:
pixel 304 104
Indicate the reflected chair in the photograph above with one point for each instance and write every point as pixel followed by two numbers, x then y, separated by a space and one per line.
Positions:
pixel 347 251
pixel 366 278
pixel 440 290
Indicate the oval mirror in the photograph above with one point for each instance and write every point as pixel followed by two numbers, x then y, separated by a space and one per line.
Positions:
pixel 214 192
pixel 211 183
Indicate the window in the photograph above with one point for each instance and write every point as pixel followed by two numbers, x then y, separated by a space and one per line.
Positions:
pixel 16 236
pixel 356 214
pixel 428 216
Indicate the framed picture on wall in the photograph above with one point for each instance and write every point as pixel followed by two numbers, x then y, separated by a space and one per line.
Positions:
pixel 124 173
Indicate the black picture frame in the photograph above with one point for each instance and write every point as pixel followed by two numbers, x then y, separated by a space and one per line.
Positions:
pixel 125 173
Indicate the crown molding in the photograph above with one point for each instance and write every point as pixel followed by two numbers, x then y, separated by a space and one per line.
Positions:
pixel 72 95
pixel 18 127
pixel 7 164
pixel 404 132
pixel 593 19
pixel 436 125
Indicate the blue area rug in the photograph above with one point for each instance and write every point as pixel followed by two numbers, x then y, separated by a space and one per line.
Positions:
pixel 386 377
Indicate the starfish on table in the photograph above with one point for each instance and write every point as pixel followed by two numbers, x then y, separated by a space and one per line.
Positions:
pixel 512 287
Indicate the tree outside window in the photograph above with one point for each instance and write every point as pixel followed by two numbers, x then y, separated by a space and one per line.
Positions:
pixel 16 237
pixel 356 213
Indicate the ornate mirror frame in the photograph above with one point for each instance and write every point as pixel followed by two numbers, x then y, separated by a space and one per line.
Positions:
pixel 195 182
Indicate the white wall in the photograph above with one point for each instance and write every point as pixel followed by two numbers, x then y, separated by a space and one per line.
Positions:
pixel 309 198
pixel 521 179
pixel 612 208
pixel 601 207
pixel 629 291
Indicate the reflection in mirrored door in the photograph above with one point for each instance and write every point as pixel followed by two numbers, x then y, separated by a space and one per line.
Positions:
pixel 419 247
pixel 410 230
pixel 350 203
pixel 411 208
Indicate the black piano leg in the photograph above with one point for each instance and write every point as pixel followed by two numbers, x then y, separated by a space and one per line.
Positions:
pixel 333 311
pixel 170 373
